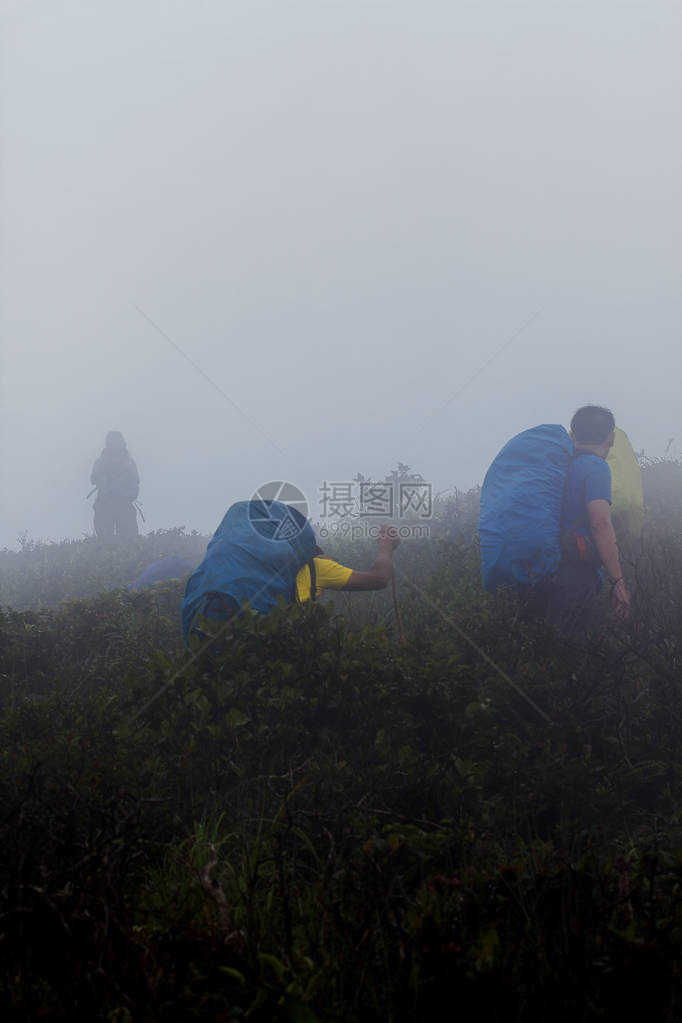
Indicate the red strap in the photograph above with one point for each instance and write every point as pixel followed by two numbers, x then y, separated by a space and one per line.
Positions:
pixel 582 548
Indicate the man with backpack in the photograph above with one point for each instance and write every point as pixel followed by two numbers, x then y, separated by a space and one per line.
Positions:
pixel 545 524
pixel 588 537
pixel 265 553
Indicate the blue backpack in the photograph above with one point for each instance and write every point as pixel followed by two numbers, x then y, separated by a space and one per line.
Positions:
pixel 255 555
pixel 521 502
pixel 172 567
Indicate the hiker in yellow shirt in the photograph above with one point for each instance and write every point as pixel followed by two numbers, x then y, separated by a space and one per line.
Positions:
pixel 330 575
pixel 250 561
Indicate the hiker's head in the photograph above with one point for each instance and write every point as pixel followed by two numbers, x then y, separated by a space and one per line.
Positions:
pixel 592 426
pixel 114 441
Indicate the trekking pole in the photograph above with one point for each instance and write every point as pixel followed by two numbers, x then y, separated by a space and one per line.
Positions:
pixel 91 493
pixel 396 607
pixel 137 507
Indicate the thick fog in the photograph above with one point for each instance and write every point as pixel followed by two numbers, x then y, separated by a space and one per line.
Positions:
pixel 339 212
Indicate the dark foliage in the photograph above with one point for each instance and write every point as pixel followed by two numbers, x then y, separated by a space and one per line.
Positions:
pixel 317 822
pixel 44 574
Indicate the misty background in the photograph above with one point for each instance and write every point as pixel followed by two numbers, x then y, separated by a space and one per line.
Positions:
pixel 339 211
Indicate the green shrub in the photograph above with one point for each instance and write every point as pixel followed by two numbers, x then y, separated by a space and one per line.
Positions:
pixel 315 821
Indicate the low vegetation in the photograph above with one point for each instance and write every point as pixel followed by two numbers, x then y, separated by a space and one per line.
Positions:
pixel 313 821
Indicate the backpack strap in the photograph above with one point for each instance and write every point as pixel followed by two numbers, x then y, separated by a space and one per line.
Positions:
pixel 313 583
pixel 582 519
pixel 574 544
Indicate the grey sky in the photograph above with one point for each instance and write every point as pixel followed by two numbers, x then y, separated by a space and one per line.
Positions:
pixel 339 211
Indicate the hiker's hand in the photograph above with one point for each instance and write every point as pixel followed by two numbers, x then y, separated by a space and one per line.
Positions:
pixel 620 601
pixel 388 539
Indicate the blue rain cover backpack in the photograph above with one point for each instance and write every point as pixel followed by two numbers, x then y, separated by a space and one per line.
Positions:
pixel 521 501
pixel 172 567
pixel 255 555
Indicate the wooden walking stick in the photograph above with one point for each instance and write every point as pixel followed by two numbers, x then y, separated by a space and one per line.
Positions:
pixel 396 607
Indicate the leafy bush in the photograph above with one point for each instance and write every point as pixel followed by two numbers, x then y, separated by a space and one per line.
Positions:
pixel 313 821
pixel 44 574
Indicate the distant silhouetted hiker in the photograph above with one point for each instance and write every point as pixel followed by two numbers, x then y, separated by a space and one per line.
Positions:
pixel 114 474
pixel 545 525
pixel 265 552
pixel 172 567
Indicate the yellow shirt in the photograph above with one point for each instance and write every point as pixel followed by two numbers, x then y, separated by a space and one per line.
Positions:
pixel 329 575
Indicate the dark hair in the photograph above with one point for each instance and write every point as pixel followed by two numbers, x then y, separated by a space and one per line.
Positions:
pixel 592 424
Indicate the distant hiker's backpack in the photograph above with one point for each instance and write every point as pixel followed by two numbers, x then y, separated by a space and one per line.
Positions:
pixel 171 567
pixel 521 503
pixel 255 555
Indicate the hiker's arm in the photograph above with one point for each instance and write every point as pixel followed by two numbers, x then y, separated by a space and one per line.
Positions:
pixel 381 571
pixel 603 534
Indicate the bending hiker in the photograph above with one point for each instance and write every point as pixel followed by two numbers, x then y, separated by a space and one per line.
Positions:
pixel 115 477
pixel 265 552
pixel 545 525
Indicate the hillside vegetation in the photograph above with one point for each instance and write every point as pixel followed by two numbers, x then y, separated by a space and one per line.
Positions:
pixel 318 822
